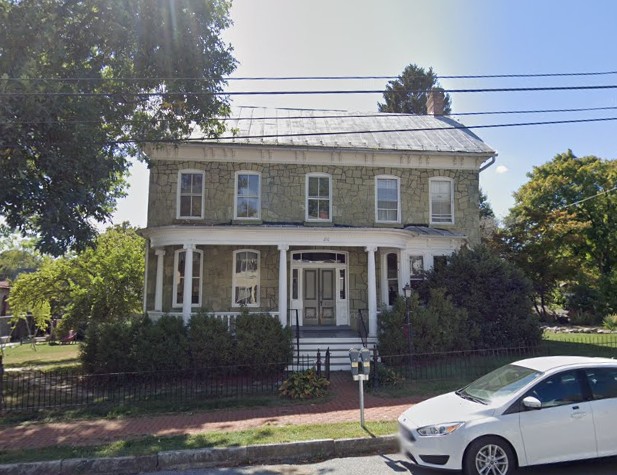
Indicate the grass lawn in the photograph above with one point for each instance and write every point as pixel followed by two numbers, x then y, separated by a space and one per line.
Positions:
pixel 152 445
pixel 581 344
pixel 40 355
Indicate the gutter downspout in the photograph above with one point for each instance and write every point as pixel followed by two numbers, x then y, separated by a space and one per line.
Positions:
pixel 487 164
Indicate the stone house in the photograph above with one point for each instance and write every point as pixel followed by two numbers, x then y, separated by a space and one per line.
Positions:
pixel 317 217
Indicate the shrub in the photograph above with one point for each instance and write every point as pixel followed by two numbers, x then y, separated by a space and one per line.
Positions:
pixel 262 342
pixel 495 294
pixel 387 377
pixel 304 385
pixel 107 347
pixel 161 345
pixel 439 326
pixel 610 322
pixel 210 342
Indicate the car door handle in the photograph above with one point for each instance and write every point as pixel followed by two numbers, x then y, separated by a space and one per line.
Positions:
pixel 578 414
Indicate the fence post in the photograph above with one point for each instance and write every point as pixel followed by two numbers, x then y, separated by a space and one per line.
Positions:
pixel 318 363
pixel 327 364
pixel 1 386
pixel 375 374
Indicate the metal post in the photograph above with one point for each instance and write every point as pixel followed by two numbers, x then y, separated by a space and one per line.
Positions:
pixel 361 386
pixel 407 290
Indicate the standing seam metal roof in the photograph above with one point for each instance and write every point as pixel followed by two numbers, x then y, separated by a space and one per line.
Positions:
pixel 372 131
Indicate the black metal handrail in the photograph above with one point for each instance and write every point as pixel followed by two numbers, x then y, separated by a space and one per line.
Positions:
pixel 297 331
pixel 362 329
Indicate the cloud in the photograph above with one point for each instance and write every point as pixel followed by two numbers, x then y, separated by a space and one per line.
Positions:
pixel 501 169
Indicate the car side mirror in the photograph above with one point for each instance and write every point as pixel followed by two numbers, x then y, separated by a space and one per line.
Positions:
pixel 531 402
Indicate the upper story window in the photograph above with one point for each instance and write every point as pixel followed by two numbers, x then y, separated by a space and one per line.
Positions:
pixel 318 197
pixel 441 201
pixel 179 266
pixel 387 209
pixel 246 278
pixel 190 194
pixel 247 203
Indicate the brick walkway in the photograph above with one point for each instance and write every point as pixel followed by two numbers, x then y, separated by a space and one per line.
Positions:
pixel 342 407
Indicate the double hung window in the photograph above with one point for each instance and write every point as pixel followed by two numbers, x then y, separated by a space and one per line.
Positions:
pixel 318 197
pixel 387 208
pixel 179 266
pixel 246 278
pixel 247 205
pixel 442 201
pixel 190 202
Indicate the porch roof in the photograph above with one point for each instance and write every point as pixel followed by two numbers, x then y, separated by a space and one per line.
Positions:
pixel 297 235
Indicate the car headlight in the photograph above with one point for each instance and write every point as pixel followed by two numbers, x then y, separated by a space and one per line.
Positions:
pixel 439 429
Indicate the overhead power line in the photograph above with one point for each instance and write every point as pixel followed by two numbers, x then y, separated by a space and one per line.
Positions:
pixel 314 78
pixel 425 129
pixel 286 93
pixel 354 132
pixel 325 116
pixel 605 192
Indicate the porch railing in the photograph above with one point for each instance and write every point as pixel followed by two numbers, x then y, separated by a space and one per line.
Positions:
pixel 228 317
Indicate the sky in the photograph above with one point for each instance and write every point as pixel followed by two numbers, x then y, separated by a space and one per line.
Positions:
pixel 278 38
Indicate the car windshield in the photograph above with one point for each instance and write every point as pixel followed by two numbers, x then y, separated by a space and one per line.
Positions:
pixel 498 384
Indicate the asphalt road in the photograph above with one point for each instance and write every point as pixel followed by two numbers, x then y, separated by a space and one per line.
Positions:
pixel 392 464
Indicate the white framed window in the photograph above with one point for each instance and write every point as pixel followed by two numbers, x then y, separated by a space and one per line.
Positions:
pixel 441 200
pixel 387 199
pixel 318 197
pixel 247 203
pixel 190 201
pixel 179 266
pixel 245 285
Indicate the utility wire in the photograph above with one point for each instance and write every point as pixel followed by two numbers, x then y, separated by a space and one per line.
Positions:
pixel 287 93
pixel 311 78
pixel 332 116
pixel 353 132
pixel 605 192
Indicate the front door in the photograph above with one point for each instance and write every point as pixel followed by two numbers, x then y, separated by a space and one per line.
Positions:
pixel 319 297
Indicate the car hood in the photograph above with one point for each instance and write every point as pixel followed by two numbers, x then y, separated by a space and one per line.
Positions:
pixel 445 408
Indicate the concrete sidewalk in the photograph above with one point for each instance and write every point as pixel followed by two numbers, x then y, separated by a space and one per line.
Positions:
pixel 343 406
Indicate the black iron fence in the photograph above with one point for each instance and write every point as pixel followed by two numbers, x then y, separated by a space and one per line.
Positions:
pixel 454 365
pixel 28 390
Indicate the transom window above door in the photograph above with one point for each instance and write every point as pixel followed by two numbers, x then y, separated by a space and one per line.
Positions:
pixel 190 203
pixel 387 209
pixel 318 197
pixel 247 203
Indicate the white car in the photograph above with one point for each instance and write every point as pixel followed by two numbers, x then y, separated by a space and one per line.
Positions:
pixel 534 411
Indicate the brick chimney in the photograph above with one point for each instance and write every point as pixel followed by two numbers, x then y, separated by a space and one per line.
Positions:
pixel 434 102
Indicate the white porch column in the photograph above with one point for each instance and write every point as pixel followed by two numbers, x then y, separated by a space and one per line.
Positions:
pixel 283 283
pixel 372 292
pixel 158 291
pixel 187 292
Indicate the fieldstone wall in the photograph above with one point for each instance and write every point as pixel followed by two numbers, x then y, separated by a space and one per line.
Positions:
pixel 283 194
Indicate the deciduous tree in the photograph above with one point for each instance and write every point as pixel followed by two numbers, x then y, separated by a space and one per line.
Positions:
pixel 82 83
pixel 104 283
pixel 563 226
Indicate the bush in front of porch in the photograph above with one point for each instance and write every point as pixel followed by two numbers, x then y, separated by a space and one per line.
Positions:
pixel 437 327
pixel 255 344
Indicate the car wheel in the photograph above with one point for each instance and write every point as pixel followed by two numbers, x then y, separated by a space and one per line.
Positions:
pixel 488 456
